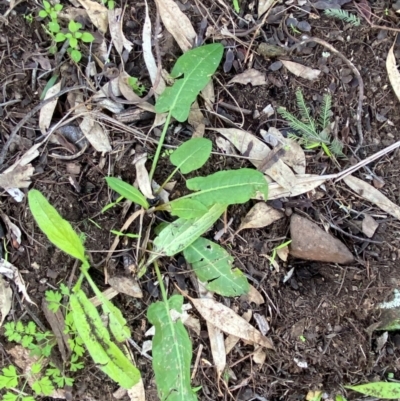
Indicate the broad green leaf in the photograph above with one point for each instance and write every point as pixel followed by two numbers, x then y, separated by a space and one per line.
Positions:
pixel 127 191
pixel 54 26
pixel 73 42
pixel 117 322
pixel 187 208
pixel 46 5
pixel 60 37
pixel 172 352
pixel 339 397
pixel 228 187
pixel 43 14
pixel 58 7
pixel 197 66
pixel 74 26
pixel 382 390
pixel 9 378
pixel 181 233
pixel 109 358
pixel 213 264
pixel 57 230
pixel 87 37
pixel 191 155
pixel 78 35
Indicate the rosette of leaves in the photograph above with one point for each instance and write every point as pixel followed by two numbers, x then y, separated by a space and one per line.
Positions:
pixel 74 36
pixel 50 11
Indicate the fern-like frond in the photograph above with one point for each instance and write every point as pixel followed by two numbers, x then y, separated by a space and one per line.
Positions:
pixel 325 113
pixel 304 129
pixel 343 15
pixel 304 110
pixel 336 147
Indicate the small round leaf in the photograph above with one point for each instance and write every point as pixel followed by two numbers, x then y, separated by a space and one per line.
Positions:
pixel 46 5
pixel 74 26
pixel 78 35
pixel 58 7
pixel 60 37
pixel 43 14
pixel 87 37
pixel 73 42
pixel 76 55
pixel 54 27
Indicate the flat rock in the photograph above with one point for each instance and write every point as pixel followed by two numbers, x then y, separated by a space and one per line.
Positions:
pixel 310 242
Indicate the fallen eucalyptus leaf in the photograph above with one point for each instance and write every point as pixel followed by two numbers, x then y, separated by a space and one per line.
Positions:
pixel 46 113
pixel 301 70
pixel 393 72
pixel 250 76
pixel 118 38
pixel 260 215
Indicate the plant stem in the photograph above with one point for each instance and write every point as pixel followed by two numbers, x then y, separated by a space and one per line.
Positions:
pixel 160 282
pixel 159 146
pixel 166 181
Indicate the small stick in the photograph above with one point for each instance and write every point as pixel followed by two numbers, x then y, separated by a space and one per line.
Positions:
pixel 196 363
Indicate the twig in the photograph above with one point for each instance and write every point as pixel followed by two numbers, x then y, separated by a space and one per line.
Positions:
pixel 14 132
pixel 356 73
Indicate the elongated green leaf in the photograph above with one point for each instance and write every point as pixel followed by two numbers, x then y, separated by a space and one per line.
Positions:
pixel 57 230
pixel 188 208
pixel 127 191
pixel 179 234
pixel 213 264
pixel 191 155
pixel 172 352
pixel 228 187
pixel 109 358
pixel 117 322
pixel 197 66
pixel 382 390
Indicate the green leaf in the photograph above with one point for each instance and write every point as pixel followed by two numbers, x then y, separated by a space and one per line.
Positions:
pixel 9 378
pixel 171 343
pixel 54 299
pixel 68 35
pixel 73 42
pixel 339 397
pixel 128 191
pixel 53 15
pixel 60 37
pixel 57 230
pixel 58 7
pixel 50 83
pixel 108 357
pixel 228 187
pixel 44 386
pixel 46 5
pixel 13 397
pixel 213 264
pixel 78 35
pixel 36 367
pixel 54 27
pixel 197 66
pixel 181 233
pixel 43 14
pixel 382 390
pixel 76 55
pixel 187 208
pixel 74 26
pixel 87 37
pixel 191 155
pixel 236 6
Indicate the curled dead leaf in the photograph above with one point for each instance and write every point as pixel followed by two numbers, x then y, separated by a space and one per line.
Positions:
pixel 260 215
pixel 301 70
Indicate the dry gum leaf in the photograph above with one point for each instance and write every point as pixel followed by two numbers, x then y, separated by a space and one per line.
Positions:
pixel 393 72
pixel 260 215
pixel 250 76
pixel 301 70
pixel 118 38
pixel 46 113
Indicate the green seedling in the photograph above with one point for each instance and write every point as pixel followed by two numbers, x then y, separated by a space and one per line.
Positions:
pixel 121 234
pixel 74 36
pixel 86 319
pixel 110 4
pixel 236 6
pixel 343 15
pixel 277 248
pixel 136 86
pixel 28 18
pixel 43 375
pixel 311 133
pixel 50 11
pixel 294 29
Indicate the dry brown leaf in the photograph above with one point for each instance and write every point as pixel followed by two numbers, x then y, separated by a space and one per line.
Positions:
pixel 148 55
pixel 369 225
pixel 95 134
pixel 177 24
pixel 19 177
pixel 283 253
pixel 393 72
pixel 98 14
pixel 46 113
pixel 5 299
pixel 260 215
pixel 294 155
pixel 229 322
pixel 301 70
pixel 142 175
pixel 12 273
pixel 136 393
pixel 13 231
pixel 253 296
pixel 259 355
pixel 371 194
pixel 257 151
pixel 264 6
pixel 197 120
pixel 126 285
pixel 119 40
pixel 250 76
pixel 304 183
pixel 232 340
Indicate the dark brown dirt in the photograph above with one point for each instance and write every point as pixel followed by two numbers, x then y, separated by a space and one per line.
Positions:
pixel 321 315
